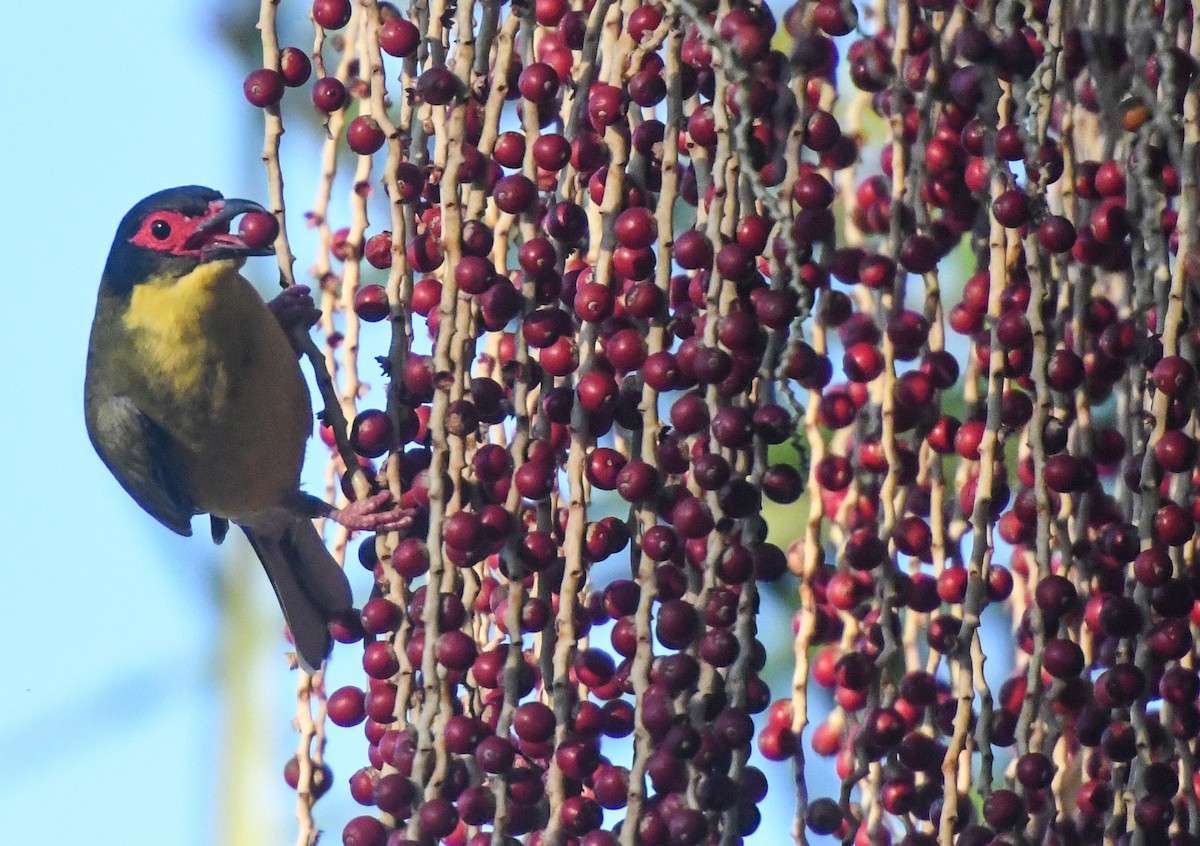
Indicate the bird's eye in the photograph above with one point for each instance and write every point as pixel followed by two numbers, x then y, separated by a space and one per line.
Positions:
pixel 160 229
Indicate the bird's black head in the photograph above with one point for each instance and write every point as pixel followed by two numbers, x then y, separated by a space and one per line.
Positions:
pixel 174 231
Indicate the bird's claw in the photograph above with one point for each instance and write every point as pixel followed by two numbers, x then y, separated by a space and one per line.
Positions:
pixel 294 308
pixel 376 513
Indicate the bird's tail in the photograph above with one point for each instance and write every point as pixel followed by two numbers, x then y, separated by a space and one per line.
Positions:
pixel 309 584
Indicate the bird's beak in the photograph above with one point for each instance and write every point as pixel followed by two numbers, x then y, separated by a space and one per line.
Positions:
pixel 213 238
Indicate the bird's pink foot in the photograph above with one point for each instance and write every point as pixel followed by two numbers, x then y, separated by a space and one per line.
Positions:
pixel 294 308
pixel 376 513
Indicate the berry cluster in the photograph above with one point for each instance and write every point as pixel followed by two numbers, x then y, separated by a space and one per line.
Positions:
pixel 659 250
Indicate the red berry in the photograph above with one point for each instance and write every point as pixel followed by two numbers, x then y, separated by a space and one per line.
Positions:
pixel 918 254
pixel 1175 451
pixel 813 191
pixel 437 818
pixel 263 87
pixel 510 149
pixel 913 536
pixel 551 152
pixel 1065 370
pixel 258 229
pixel 331 14
pixel 1011 208
pixel 399 37
pixel 533 722
pixel 1063 658
pixel 295 66
pixel 1173 375
pixel 455 650
pixel 1110 221
pixel 364 831
pixel 1109 180
pixel 603 467
pixel 549 12
pixel 346 706
pixel 597 391
pixel 1056 234
pixel 364 135
pixel 566 221
pixel 1010 147
pixel 605 105
pixel 328 94
pixel 626 350
pixel 1173 524
pixel 410 181
pixel 438 86
pixel 372 434
pixel 378 250
pixel 474 275
pixel 943 435
pixel 380 661
pixel 1062 473
pixel 538 82
pixel 515 194
pixel 322 778
pixel 999 583
pixel 1013 330
pixel 821 131
pixel 635 228
pixel 862 362
pixel 380 615
pixel 693 250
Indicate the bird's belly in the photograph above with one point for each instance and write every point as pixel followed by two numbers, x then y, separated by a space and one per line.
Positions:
pixel 250 458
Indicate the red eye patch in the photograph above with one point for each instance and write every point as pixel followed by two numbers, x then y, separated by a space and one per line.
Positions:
pixel 168 231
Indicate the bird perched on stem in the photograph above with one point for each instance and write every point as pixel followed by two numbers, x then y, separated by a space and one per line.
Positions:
pixel 195 400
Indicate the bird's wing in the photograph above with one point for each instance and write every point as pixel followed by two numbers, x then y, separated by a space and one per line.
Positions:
pixel 136 450
pixel 310 586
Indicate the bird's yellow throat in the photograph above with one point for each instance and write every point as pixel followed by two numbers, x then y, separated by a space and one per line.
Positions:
pixel 165 319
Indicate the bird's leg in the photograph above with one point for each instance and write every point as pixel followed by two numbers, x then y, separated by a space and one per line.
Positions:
pixel 220 527
pixel 376 513
pixel 294 309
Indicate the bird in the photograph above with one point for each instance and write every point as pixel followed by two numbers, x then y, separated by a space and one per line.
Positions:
pixel 195 401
